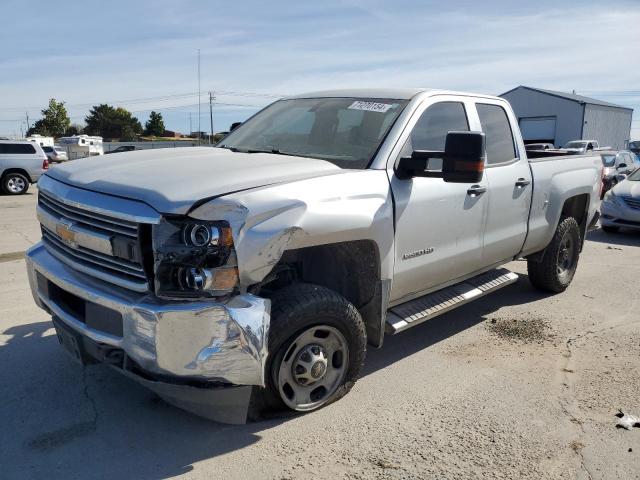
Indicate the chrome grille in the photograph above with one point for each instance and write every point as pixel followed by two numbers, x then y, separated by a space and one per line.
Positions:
pixel 90 219
pixel 88 245
pixel 632 202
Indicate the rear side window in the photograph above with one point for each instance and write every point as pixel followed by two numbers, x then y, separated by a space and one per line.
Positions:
pixel 47 149
pixel 17 148
pixel 499 137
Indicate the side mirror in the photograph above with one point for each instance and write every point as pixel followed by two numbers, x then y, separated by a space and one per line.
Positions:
pixel 620 177
pixel 462 160
pixel 235 125
pixel 621 166
pixel 464 157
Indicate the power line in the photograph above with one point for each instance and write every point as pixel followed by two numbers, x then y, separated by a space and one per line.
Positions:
pixel 152 99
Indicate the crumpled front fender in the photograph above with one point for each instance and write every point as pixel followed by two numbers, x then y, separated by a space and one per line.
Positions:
pixel 267 221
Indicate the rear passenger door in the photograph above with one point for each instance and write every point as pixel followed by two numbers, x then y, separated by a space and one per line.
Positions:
pixel 509 183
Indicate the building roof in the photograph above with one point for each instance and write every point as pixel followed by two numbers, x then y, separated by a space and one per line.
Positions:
pixel 571 96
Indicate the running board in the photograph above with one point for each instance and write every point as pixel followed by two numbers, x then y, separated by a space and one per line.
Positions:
pixel 414 312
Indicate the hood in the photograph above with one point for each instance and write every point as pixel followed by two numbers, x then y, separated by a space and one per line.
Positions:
pixel 628 188
pixel 171 180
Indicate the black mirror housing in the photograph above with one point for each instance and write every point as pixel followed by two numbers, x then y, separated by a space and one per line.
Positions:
pixel 464 157
pixel 462 160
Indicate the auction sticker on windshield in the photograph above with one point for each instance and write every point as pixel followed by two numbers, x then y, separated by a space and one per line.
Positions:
pixel 371 106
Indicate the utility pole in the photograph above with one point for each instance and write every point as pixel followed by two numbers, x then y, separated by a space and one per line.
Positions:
pixel 211 99
pixel 199 129
pixel 28 125
pixel 190 125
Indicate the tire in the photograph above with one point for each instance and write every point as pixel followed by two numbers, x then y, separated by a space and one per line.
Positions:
pixel 558 266
pixel 15 183
pixel 308 324
pixel 608 229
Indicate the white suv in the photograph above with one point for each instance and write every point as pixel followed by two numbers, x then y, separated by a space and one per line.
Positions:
pixel 21 163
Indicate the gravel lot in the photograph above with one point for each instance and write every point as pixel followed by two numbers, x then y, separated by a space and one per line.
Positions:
pixel 518 385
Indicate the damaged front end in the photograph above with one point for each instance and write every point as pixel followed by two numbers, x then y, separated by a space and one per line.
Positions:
pixel 193 336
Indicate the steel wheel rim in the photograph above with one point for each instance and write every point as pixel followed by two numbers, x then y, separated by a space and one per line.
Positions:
pixel 16 184
pixel 309 389
pixel 566 254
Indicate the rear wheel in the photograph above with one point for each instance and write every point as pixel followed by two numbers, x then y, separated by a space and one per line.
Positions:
pixel 558 266
pixel 15 183
pixel 318 342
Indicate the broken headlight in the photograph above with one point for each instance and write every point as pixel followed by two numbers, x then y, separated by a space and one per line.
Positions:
pixel 193 258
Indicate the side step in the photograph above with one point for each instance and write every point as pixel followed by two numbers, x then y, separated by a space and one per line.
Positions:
pixel 413 312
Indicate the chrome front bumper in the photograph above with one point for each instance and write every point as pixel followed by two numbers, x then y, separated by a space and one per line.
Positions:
pixel 199 341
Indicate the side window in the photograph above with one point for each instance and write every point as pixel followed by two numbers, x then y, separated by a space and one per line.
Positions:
pixel 430 132
pixel 499 137
pixel 17 148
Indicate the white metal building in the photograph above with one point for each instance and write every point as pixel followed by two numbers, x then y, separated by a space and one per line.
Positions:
pixel 558 117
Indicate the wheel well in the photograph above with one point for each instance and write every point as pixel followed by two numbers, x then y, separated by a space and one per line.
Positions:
pixel 351 269
pixel 15 170
pixel 578 208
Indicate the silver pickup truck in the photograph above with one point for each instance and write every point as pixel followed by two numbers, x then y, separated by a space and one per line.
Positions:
pixel 253 275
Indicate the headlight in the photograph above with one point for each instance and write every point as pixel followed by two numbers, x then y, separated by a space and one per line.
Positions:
pixel 193 258
pixel 610 197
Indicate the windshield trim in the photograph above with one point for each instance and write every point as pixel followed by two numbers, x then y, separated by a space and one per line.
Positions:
pixel 338 163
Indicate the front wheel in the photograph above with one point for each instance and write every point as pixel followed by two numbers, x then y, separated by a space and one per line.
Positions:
pixel 318 341
pixel 558 266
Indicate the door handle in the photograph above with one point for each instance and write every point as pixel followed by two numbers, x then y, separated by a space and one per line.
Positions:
pixel 522 182
pixel 476 190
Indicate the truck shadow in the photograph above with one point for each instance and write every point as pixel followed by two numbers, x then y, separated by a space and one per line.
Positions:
pixel 63 421
pixel 629 238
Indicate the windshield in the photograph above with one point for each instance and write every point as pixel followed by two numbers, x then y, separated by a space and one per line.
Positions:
pixel 343 131
pixel 608 160
pixel 575 145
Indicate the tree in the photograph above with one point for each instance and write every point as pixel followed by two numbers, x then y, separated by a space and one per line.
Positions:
pixel 74 129
pixel 155 125
pixel 54 122
pixel 110 122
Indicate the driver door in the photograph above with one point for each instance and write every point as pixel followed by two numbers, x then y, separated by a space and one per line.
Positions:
pixel 439 226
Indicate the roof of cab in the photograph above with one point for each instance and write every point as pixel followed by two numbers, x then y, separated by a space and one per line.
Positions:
pixel 391 93
pixel 395 93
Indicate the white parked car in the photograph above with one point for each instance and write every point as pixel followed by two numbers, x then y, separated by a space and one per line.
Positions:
pixel 21 163
pixel 621 205
pixel 56 154
pixel 581 146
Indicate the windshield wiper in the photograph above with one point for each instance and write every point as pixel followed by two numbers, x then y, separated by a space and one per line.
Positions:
pixel 274 151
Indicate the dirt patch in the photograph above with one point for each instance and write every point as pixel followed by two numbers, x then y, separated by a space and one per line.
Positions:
pixel 526 330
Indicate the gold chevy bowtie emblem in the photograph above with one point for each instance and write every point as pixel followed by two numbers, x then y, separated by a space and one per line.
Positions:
pixel 64 232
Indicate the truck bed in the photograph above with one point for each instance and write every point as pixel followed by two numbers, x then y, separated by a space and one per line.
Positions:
pixel 556 179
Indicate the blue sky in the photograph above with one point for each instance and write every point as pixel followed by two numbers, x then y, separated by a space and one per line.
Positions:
pixel 142 55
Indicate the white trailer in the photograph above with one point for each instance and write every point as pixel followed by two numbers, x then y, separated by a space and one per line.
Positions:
pixel 80 146
pixel 40 140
